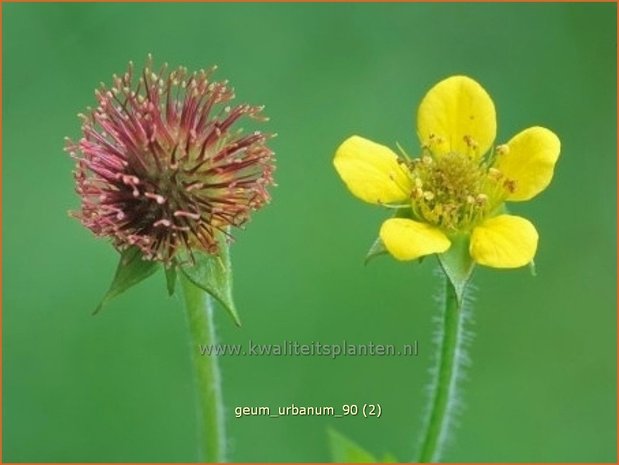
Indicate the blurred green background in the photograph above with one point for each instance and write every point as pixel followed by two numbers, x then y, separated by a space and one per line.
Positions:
pixel 117 387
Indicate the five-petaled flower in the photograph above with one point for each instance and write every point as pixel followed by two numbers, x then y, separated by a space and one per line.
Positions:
pixel 459 185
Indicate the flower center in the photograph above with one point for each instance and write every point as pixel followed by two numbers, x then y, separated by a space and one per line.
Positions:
pixel 455 191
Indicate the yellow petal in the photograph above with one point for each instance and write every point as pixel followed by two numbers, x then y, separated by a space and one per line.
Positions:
pixel 372 171
pixel 504 241
pixel 529 159
pixel 407 239
pixel 457 115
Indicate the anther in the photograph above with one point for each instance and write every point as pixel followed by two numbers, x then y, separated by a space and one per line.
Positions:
pixel 510 185
pixel 495 173
pixel 468 140
pixel 502 149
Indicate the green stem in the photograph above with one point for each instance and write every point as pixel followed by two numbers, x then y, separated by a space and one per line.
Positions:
pixel 443 396
pixel 206 368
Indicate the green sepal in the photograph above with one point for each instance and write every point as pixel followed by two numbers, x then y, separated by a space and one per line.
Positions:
pixel 213 274
pixel 170 279
pixel 344 450
pixel 131 270
pixel 532 268
pixel 377 249
pixel 458 264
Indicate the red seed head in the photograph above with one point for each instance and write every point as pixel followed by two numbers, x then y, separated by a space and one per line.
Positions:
pixel 161 167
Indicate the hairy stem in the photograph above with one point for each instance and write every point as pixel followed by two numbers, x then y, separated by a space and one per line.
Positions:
pixel 206 371
pixel 444 389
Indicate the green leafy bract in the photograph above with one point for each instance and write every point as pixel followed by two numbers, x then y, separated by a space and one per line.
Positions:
pixel 131 270
pixel 213 274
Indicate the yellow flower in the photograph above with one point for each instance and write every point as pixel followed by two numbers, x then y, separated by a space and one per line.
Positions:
pixel 459 183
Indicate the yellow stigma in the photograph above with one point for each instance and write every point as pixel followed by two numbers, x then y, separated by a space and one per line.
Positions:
pixel 454 191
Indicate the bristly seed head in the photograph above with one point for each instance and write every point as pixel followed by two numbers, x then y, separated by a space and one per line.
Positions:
pixel 160 167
